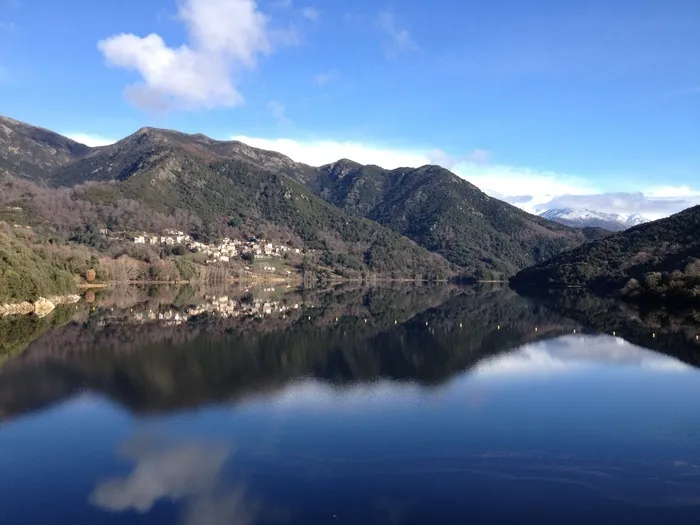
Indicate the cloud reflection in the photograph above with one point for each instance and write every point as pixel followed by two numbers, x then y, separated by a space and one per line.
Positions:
pixel 189 473
pixel 577 352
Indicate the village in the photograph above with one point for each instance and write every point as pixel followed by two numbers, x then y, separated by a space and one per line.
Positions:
pixel 222 252
pixel 220 306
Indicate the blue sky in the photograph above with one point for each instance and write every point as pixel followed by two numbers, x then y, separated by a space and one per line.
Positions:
pixel 541 98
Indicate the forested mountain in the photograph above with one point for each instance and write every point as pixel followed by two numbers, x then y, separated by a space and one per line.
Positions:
pixel 155 179
pixel 659 259
pixel 349 218
pixel 447 215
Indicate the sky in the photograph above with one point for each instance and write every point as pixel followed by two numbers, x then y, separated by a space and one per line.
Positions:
pixel 543 103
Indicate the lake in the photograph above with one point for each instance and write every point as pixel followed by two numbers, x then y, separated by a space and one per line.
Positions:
pixel 349 406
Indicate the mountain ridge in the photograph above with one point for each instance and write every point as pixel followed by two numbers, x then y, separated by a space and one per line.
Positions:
pixel 585 217
pixel 210 184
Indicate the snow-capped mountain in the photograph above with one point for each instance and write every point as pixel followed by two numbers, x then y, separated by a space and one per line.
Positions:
pixel 582 218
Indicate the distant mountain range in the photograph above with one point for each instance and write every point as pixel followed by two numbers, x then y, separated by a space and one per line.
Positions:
pixel 584 218
pixel 352 218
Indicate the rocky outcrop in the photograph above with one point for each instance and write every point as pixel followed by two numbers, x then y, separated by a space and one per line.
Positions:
pixel 22 308
pixel 41 307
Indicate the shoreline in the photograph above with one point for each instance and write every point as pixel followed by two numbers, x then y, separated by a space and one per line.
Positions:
pixel 41 307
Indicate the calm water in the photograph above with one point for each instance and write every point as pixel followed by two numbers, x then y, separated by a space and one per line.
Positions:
pixel 352 406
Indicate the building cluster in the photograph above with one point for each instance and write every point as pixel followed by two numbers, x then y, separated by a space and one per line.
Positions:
pixel 222 306
pixel 169 238
pixel 225 306
pixel 224 251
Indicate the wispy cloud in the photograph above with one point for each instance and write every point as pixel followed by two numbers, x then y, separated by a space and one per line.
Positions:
pixel 7 26
pixel 311 13
pixel 399 39
pixel 326 78
pixel 90 139
pixel 279 111
pixel 576 352
pixel 224 38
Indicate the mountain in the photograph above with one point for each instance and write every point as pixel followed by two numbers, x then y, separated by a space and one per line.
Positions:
pixel 217 188
pixel 583 218
pixel 659 260
pixel 446 214
pixel 30 152
pixel 353 218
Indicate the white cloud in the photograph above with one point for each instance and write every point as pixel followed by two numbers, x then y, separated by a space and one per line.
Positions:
pixel 399 38
pixel 647 203
pixel 573 353
pixel 310 13
pixel 325 78
pixel 279 111
pixel 89 139
pixel 318 153
pixel 479 156
pixel 188 473
pixel 224 37
pixel 171 474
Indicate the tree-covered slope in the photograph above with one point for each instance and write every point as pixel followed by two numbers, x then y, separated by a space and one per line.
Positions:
pixel 170 172
pixel 657 259
pixel 25 275
pixel 447 215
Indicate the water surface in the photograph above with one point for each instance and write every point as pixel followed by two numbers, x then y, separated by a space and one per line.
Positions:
pixel 349 406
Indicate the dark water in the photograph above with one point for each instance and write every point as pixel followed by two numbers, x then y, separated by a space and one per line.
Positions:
pixel 352 406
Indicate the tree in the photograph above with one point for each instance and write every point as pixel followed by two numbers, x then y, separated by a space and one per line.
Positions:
pixel 90 275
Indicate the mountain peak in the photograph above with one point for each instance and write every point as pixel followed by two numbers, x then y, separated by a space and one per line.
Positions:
pixel 585 217
pixel 29 151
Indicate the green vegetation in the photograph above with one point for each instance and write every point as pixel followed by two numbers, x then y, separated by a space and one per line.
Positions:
pixel 25 275
pixel 216 196
pixel 352 221
pixel 18 331
pixel 487 238
pixel 658 260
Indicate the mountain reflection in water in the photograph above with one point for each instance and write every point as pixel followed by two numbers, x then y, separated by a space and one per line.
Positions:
pixel 349 405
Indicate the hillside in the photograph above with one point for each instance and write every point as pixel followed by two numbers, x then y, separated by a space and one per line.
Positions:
pixel 582 218
pixel 25 275
pixel 659 259
pixel 350 219
pixel 446 214
pixel 215 189
pixel 31 153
